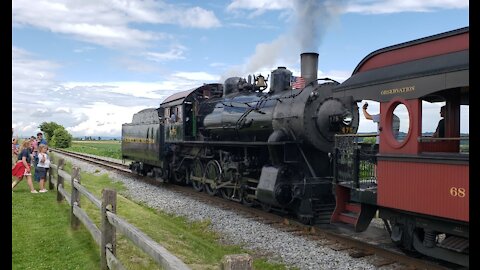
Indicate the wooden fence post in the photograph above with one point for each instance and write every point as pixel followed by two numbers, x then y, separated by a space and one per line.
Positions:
pixel 109 197
pixel 61 163
pixel 50 183
pixel 75 198
pixel 237 262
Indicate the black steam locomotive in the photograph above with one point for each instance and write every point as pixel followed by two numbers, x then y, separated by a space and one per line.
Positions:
pixel 297 151
pixel 269 148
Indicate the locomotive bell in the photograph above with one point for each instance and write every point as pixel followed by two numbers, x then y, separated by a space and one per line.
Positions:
pixel 260 80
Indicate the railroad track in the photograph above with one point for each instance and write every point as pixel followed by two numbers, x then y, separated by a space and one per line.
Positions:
pixel 95 159
pixel 373 242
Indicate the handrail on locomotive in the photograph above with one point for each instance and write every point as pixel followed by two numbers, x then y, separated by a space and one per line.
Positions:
pixel 354 160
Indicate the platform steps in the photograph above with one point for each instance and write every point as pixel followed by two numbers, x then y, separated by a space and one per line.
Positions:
pixel 349 212
pixel 322 212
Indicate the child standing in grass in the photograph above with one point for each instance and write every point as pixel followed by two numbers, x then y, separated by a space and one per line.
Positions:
pixel 22 168
pixel 42 167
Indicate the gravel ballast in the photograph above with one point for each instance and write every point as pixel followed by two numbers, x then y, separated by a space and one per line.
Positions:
pixel 296 251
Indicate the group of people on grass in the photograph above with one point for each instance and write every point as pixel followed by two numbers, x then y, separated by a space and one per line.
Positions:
pixel 31 153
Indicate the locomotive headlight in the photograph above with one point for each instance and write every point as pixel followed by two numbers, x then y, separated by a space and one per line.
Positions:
pixel 347 119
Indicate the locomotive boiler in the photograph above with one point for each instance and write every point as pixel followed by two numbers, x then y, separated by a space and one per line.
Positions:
pixel 308 114
pixel 257 147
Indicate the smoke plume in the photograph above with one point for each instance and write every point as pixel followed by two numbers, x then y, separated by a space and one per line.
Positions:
pixel 312 19
pixel 267 54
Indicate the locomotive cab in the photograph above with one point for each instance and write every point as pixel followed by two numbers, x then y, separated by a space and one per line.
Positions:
pixel 180 121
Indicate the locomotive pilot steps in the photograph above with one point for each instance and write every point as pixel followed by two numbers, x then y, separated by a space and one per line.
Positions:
pixel 297 151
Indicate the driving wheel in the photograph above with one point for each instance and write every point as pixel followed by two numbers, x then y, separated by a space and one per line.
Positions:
pixel 196 175
pixel 213 175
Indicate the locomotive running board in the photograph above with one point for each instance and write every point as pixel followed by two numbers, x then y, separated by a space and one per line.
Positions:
pixel 232 143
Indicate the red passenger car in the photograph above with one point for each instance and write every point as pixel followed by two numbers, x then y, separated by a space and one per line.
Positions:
pixel 417 183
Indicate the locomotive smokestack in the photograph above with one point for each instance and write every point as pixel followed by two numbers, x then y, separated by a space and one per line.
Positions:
pixel 309 67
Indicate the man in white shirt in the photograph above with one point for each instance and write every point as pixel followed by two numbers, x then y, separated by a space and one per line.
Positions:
pixel 376 119
pixel 173 118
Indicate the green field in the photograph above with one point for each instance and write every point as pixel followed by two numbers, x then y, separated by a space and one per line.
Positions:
pixel 109 148
pixel 41 235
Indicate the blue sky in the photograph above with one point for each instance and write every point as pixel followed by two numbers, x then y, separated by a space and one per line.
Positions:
pixel 89 65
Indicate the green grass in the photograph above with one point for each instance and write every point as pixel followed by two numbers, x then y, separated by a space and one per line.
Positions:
pixel 110 149
pixel 263 264
pixel 41 235
pixel 192 242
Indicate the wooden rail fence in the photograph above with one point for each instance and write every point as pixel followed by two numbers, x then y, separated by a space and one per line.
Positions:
pixel 105 237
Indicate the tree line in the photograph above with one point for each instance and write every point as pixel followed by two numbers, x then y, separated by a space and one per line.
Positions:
pixel 56 135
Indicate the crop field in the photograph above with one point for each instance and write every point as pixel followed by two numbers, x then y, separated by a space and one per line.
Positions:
pixel 109 148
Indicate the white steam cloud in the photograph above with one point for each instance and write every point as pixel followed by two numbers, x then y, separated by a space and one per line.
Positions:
pixel 311 19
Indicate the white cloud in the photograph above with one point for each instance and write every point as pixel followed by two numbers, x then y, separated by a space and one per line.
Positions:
pixel 242 25
pixel 395 6
pixel 176 52
pixel 25 128
pixel 136 65
pixel 108 23
pixel 196 76
pixel 134 89
pixel 24 68
pixel 217 64
pixel 84 108
pixel 197 17
pixel 358 6
pixel 260 4
pixel 103 119
pixel 63 110
pixel 337 75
